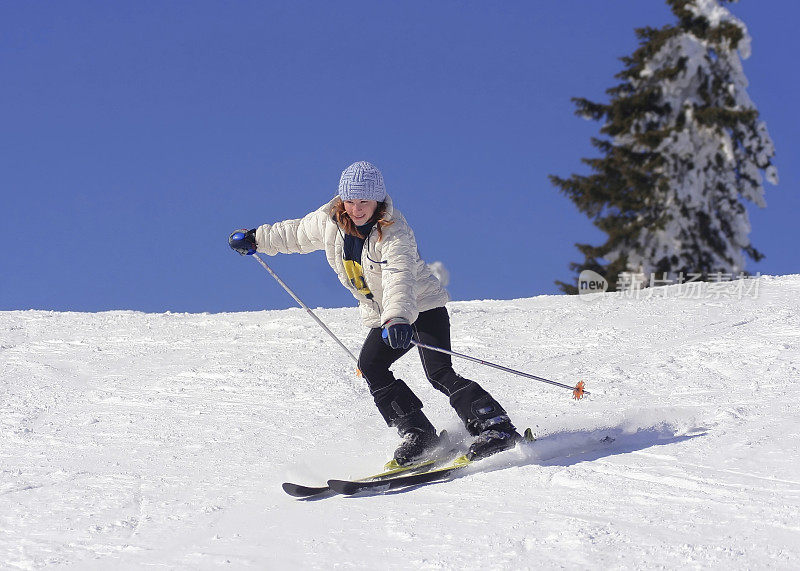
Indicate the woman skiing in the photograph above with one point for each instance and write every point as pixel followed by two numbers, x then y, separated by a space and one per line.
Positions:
pixel 373 250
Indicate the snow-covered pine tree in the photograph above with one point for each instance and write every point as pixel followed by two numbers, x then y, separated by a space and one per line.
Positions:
pixel 685 146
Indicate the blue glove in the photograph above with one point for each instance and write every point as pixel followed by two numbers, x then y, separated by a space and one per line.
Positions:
pixel 243 241
pixel 397 333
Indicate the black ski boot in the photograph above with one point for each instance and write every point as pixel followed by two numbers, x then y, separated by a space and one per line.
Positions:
pixel 416 445
pixel 494 435
pixel 419 438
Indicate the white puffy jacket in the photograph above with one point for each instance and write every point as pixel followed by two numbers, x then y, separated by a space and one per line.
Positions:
pixel 400 282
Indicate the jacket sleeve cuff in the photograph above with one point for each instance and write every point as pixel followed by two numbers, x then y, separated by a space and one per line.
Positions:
pixel 395 321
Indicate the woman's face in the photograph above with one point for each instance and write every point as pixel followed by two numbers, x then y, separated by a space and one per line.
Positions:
pixel 360 211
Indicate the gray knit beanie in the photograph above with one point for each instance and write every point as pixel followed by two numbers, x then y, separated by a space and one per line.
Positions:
pixel 362 181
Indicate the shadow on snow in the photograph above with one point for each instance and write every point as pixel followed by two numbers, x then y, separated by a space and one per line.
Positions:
pixel 568 448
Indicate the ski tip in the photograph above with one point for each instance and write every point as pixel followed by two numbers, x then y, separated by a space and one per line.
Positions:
pixel 528 435
pixel 298 491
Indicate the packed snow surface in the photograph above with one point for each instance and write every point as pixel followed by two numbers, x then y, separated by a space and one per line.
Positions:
pixel 130 440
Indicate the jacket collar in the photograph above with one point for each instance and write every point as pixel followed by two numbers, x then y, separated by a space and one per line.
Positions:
pixel 389 208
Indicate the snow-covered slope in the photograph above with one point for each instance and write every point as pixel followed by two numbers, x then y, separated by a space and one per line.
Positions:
pixel 130 439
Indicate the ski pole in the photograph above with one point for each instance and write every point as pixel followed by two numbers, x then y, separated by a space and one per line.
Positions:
pixel 304 306
pixel 577 391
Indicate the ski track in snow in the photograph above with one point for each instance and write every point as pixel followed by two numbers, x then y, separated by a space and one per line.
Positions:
pixel 129 440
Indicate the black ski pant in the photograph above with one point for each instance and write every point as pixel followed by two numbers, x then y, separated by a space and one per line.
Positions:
pixel 396 401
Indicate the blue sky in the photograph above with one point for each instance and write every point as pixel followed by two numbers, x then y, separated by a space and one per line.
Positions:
pixel 137 135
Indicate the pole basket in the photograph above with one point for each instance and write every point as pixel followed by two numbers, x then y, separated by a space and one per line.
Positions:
pixel 577 392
